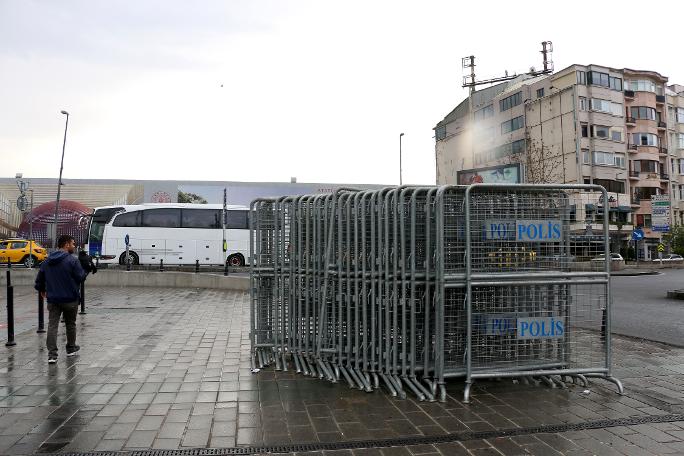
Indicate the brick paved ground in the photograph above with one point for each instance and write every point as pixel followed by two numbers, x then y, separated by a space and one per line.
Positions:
pixel 170 369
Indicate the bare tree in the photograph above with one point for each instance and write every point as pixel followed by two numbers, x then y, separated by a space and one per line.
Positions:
pixel 541 164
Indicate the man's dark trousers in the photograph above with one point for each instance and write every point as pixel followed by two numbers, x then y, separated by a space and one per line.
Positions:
pixel 69 310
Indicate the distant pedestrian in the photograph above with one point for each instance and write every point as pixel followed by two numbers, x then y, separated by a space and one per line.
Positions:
pixel 59 281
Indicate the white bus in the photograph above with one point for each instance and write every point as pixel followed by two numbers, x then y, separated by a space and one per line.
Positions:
pixel 175 233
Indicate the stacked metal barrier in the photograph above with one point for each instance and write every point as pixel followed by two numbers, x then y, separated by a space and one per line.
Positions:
pixel 406 287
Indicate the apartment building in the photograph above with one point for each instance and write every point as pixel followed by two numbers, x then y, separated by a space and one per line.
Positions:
pixel 583 124
pixel 675 128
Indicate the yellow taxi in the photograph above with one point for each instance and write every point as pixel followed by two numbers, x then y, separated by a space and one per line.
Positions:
pixel 28 253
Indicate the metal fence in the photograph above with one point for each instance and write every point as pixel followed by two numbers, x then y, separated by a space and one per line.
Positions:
pixel 405 287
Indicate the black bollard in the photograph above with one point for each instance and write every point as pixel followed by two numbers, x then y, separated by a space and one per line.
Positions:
pixel 10 313
pixel 9 263
pixel 161 265
pixel 41 315
pixel 82 299
pixel 196 266
pixel 225 269
pixel 97 262
pixel 128 263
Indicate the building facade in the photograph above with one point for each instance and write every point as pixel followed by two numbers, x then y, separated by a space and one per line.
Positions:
pixel 618 128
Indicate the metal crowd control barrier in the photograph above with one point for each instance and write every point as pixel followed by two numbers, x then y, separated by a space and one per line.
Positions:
pixel 406 287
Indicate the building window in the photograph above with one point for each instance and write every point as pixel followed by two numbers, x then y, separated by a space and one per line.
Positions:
pixel 680 140
pixel 484 113
pixel 540 92
pixel 585 130
pixel 643 112
pixel 604 80
pixel 620 160
pixel 615 83
pixel 646 166
pixel 645 139
pixel 512 125
pixel 583 103
pixel 507 103
pixel 585 157
pixel 599 131
pixel 681 166
pixel 680 115
pixel 604 158
pixel 581 77
pixel 642 85
pixel 616 134
pixel 607 106
pixel 611 185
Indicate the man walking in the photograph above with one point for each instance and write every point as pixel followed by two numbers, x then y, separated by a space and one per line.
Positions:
pixel 59 281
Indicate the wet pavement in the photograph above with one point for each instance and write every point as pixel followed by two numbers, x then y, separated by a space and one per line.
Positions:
pixel 169 369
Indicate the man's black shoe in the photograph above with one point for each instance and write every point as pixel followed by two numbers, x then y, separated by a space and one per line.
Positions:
pixel 73 350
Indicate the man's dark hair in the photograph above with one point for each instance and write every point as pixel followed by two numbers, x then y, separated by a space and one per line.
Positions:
pixel 64 240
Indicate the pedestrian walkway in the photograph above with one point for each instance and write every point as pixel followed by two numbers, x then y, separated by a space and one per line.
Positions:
pixel 169 369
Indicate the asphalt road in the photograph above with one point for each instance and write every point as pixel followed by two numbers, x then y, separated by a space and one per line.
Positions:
pixel 641 308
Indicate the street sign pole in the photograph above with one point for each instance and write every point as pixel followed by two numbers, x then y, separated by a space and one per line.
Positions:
pixel 224 245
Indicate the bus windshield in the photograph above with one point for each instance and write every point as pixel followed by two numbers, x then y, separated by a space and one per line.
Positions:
pixel 97 224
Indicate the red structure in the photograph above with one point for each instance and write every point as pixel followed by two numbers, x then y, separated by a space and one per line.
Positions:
pixel 72 219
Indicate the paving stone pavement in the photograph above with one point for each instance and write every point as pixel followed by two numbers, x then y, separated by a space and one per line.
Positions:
pixel 169 369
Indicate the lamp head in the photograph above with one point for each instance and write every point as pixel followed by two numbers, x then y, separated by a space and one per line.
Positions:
pixel 65 113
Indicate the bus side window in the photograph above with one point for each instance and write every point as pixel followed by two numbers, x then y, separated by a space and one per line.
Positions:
pixel 127 219
pixel 237 219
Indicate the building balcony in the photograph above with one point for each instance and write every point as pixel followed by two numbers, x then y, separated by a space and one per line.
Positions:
pixel 632 146
pixel 629 93
pixel 662 125
pixel 662 150
pixel 635 201
pixel 634 174
pixel 630 121
pixel 664 176
pixel 660 99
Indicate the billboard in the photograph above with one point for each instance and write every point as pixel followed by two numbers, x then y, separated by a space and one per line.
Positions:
pixel 504 174
pixel 660 213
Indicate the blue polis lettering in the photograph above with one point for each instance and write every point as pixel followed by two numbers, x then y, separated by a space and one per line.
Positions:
pixel 541 327
pixel 538 231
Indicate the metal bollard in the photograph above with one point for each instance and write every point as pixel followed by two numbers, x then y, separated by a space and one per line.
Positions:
pixel 225 269
pixel 41 313
pixel 97 262
pixel 161 265
pixel 128 263
pixel 82 299
pixel 10 313
pixel 196 266
pixel 9 263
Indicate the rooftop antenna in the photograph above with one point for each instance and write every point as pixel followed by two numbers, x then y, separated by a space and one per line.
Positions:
pixel 469 62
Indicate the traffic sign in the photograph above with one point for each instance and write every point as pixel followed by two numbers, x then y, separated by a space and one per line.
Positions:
pixel 661 248
pixel 127 239
pixel 637 235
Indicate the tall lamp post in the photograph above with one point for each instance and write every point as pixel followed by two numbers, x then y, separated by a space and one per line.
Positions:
pixel 59 182
pixel 400 136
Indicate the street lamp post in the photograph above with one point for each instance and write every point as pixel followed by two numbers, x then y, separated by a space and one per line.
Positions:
pixel 59 182
pixel 400 136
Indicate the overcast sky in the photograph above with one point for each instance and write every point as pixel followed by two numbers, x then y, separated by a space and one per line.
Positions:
pixel 264 90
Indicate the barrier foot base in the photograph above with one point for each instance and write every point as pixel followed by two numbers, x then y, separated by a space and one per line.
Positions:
pixel 466 392
pixel 10 344
pixel 389 385
pixel 40 331
pixel 618 383
pixel 414 389
pixel 442 392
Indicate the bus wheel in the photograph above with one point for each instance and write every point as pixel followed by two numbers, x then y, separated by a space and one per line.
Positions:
pixel 236 260
pixel 134 258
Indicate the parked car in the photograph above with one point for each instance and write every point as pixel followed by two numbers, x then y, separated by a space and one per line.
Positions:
pixel 28 253
pixel 670 258
pixel 613 257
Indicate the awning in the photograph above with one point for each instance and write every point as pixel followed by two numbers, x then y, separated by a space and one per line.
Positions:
pixel 590 207
pixel 624 209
